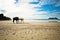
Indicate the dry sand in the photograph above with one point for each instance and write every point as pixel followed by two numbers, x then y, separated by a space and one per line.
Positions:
pixel 29 31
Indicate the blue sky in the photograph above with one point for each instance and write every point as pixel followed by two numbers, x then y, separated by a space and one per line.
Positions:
pixel 52 7
pixel 37 9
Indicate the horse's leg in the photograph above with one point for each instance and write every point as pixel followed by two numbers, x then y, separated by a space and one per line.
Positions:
pixel 17 21
pixel 13 20
pixel 22 21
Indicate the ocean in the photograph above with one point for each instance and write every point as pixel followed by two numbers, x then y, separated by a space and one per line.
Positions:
pixel 41 20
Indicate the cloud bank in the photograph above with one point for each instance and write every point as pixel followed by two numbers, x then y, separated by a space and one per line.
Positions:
pixel 33 9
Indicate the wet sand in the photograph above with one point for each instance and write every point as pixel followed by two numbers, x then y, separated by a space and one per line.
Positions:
pixel 29 31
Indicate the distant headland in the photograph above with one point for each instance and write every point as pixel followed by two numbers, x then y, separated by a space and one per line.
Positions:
pixel 53 18
pixel 2 17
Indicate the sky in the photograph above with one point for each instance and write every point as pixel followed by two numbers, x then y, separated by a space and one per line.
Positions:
pixel 30 9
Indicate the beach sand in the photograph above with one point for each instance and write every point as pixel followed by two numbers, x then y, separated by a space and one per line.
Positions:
pixel 29 31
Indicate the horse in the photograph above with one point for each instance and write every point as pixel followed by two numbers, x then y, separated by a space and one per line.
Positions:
pixel 17 19
pixel 22 20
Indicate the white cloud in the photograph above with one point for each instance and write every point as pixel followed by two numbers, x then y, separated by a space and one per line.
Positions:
pixel 40 15
pixel 1 4
pixel 25 1
pixel 23 10
pixel 44 2
pixel 42 12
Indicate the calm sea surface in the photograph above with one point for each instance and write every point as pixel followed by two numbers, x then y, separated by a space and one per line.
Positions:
pixel 42 20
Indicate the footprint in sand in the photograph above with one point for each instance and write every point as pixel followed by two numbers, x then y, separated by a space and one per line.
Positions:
pixel 5 39
pixel 14 33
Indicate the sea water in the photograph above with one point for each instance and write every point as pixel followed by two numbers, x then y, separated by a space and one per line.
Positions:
pixel 42 20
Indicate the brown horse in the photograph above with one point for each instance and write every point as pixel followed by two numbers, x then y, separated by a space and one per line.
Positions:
pixel 17 19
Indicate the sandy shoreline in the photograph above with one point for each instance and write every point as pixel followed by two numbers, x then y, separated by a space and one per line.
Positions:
pixel 30 31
